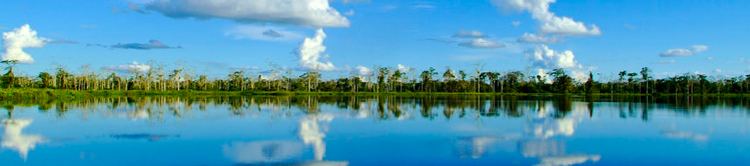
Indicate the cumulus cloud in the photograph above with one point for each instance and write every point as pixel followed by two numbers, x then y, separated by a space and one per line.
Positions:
pixel 534 38
pixel 314 13
pixel 469 34
pixel 152 44
pixel 311 53
pixel 14 43
pixel 363 71
pixel 481 43
pixel 133 67
pixel 266 33
pixel 549 22
pixel 403 68
pixel 679 52
pixel 544 58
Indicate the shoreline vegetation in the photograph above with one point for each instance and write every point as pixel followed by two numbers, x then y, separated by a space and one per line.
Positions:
pixel 63 84
pixel 37 94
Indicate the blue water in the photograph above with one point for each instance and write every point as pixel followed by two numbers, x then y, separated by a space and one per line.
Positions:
pixel 375 131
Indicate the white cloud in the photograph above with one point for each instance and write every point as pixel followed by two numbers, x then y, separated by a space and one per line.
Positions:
pixel 133 67
pixel 350 13
pixel 403 68
pixel 679 52
pixel 550 23
pixel 15 41
pixel 481 43
pixel 266 33
pixel 311 52
pixel 469 34
pixel 314 13
pixel 363 73
pixel 543 58
pixel 515 23
pixel 534 38
pixel 666 62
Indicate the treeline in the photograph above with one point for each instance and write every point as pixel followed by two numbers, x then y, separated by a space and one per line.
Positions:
pixel 383 80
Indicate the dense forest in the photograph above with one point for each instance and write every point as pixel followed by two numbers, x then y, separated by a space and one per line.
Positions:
pixel 382 80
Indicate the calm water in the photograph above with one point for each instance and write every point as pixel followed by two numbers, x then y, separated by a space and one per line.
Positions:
pixel 460 130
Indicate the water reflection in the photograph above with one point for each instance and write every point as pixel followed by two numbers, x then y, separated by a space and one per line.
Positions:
pixel 143 136
pixel 15 139
pixel 685 135
pixel 312 132
pixel 262 151
pixel 388 107
pixel 540 135
pixel 542 130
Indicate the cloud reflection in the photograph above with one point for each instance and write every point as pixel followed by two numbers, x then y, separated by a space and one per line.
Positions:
pixel 13 137
pixel 567 160
pixel 262 151
pixel 540 136
pixel 311 133
pixel 685 135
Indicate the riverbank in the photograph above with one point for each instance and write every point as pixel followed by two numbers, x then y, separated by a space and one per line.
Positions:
pixel 72 94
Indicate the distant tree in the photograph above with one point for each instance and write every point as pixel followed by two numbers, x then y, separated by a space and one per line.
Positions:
pixel 448 75
pixel 382 74
pixel 646 76
pixel 395 79
pixel 562 83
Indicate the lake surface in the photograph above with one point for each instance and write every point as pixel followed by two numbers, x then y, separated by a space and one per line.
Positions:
pixel 448 130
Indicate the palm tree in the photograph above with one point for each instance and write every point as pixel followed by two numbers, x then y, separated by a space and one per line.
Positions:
pixel 646 76
pixel 9 78
pixel 311 77
pixel 175 78
pixel 395 78
pixel 382 74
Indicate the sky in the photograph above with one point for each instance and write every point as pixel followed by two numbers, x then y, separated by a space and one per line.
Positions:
pixel 352 37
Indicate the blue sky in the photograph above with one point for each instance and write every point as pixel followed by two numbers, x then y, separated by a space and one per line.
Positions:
pixel 662 35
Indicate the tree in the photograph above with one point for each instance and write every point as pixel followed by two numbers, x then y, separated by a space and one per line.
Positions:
pixel 8 79
pixel 513 79
pixel 236 80
pixel 448 75
pixel 562 83
pixel 395 79
pixel 427 78
pixel 590 85
pixel 646 76
pixel 176 77
pixel 311 77
pixel 382 74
